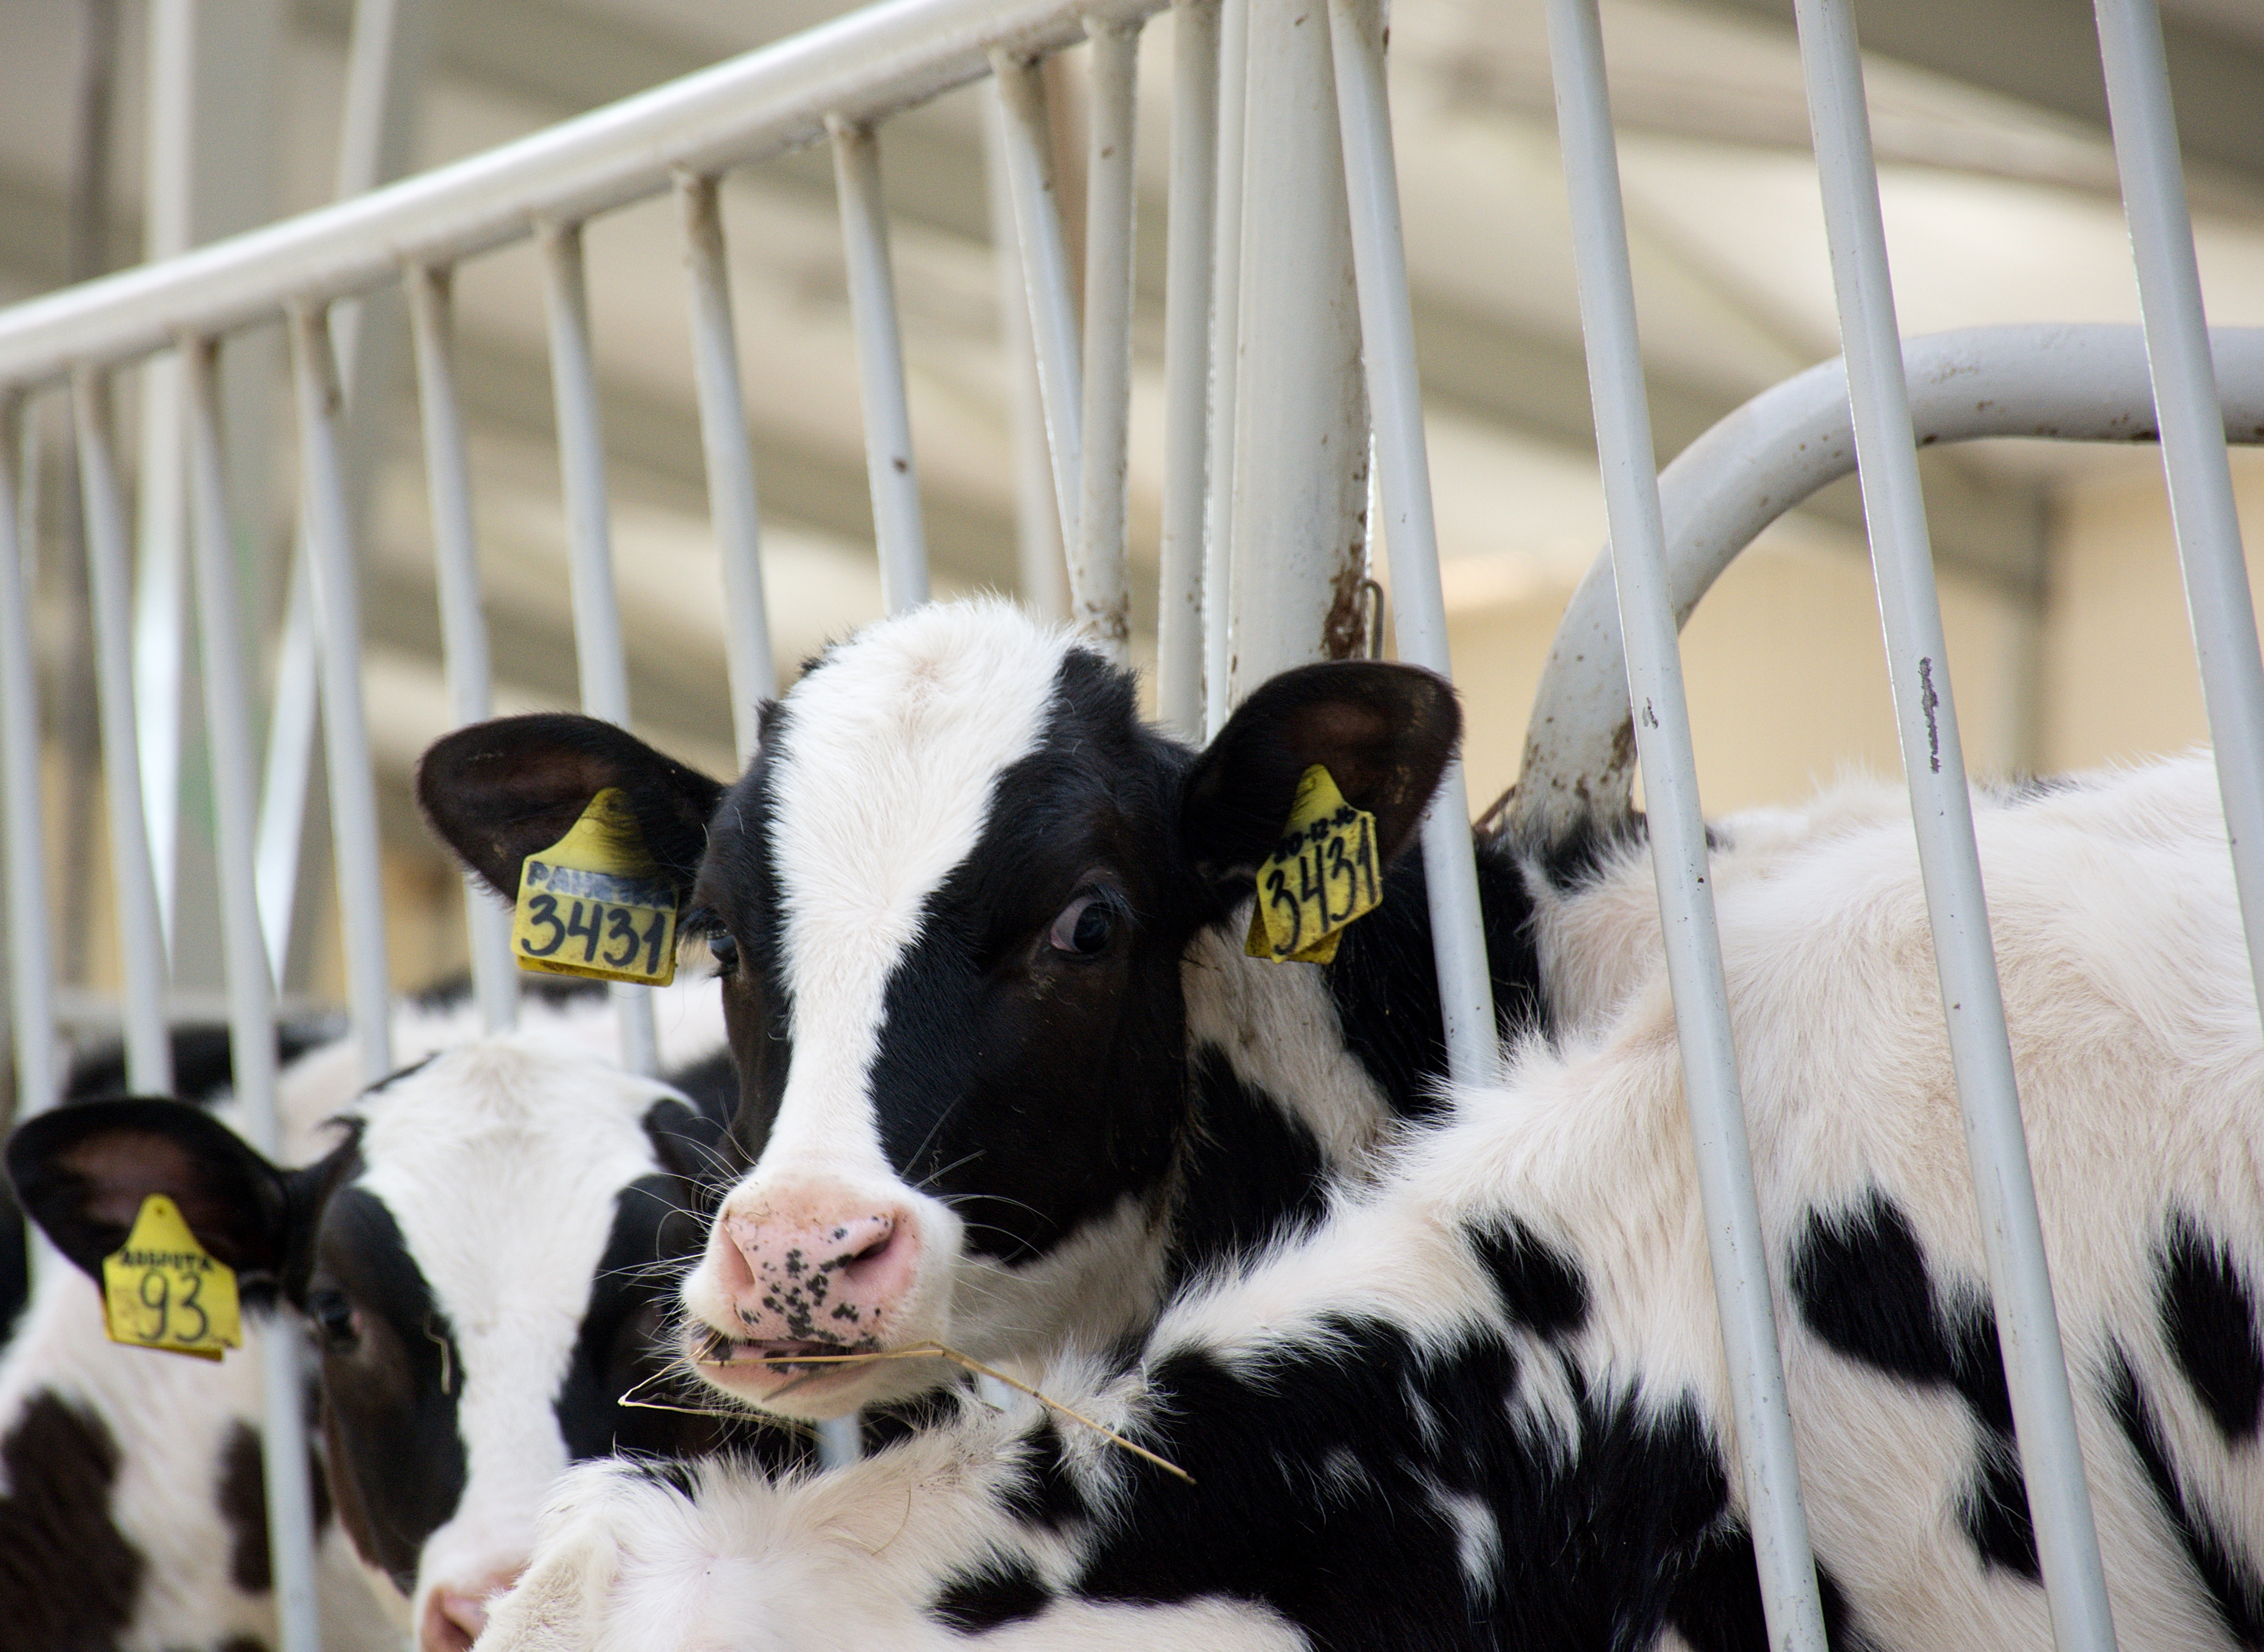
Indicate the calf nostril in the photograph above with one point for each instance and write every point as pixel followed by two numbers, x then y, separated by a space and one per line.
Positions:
pixel 884 1234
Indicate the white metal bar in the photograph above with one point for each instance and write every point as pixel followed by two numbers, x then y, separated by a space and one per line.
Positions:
pixel 1419 603
pixel 1041 570
pixel 897 531
pixel 731 500
pixel 1225 364
pixel 141 939
pixel 463 624
pixel 346 729
pixel 1386 329
pixel 250 989
pixel 294 707
pixel 862 67
pixel 2218 598
pixel 1934 763
pixel 1188 258
pixel 1739 1254
pixel 1100 592
pixel 1226 367
pixel 1028 132
pixel 159 619
pixel 31 944
pixel 1301 436
pixel 599 659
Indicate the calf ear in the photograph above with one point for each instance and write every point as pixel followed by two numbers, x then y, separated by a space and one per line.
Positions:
pixel 1385 733
pixel 83 1170
pixel 498 791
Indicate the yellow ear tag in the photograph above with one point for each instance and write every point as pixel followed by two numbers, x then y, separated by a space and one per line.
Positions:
pixel 1321 876
pixel 163 1290
pixel 595 902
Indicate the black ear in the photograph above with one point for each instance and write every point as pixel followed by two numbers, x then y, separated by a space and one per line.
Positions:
pixel 1385 733
pixel 498 791
pixel 82 1172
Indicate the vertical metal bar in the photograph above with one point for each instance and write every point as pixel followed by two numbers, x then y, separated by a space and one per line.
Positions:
pixel 31 950
pixel 1100 590
pixel 1041 571
pixel 141 939
pixel 1934 763
pixel 1188 257
pixel 463 627
pixel 2192 425
pixel 896 529
pixel 1678 829
pixel 290 759
pixel 160 615
pixel 1419 603
pixel 346 729
pixel 1045 273
pixel 1225 365
pixel 598 653
pixel 250 989
pixel 1301 437
pixel 732 501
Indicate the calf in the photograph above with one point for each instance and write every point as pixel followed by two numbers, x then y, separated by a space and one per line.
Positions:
pixel 1484 1403
pixel 447 1400
pixel 1006 1071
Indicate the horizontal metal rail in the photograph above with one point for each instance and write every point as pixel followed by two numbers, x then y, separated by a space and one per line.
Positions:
pixel 860 68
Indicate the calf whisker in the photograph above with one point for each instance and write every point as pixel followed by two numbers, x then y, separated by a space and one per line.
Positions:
pixel 938 1351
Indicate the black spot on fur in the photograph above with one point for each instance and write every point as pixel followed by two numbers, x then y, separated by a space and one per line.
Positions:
pixel 682 1478
pixel 1581 854
pixel 243 1500
pixel 68 1577
pixel 1385 983
pixel 1540 1288
pixel 2233 1585
pixel 1251 1172
pixel 1863 1287
pixel 1002 1593
pixel 2208 1320
pixel 1609 1536
pixel 1043 1494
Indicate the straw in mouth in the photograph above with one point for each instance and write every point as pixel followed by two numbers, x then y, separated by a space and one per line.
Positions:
pixel 811 1360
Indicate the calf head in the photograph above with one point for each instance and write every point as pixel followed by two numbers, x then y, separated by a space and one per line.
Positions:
pixel 951 903
pixel 483 1263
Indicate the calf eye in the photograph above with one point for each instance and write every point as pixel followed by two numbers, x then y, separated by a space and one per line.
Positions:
pixel 725 952
pixel 1084 928
pixel 334 1317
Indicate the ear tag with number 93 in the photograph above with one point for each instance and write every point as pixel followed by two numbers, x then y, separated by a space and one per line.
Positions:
pixel 164 1290
pixel 1321 875
pixel 595 902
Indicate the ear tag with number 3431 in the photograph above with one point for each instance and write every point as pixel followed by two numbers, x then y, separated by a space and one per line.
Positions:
pixel 1321 876
pixel 595 903
pixel 164 1290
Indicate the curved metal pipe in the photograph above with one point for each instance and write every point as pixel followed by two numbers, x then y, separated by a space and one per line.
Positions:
pixel 2064 383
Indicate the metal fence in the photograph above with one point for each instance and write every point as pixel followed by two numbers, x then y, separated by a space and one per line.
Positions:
pixel 1254 286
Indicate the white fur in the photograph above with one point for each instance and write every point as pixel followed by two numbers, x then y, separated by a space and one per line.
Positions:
pixel 2135 1032
pixel 885 773
pixel 170 1416
pixel 500 1161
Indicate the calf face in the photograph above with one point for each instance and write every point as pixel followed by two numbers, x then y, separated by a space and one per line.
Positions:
pixel 952 901
pixel 485 1263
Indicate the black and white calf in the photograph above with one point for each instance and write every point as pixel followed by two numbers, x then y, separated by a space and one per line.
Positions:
pixel 1484 1404
pixel 484 1262
pixel 1006 1074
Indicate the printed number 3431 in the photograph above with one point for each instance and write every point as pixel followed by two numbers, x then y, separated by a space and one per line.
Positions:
pixel 593 923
